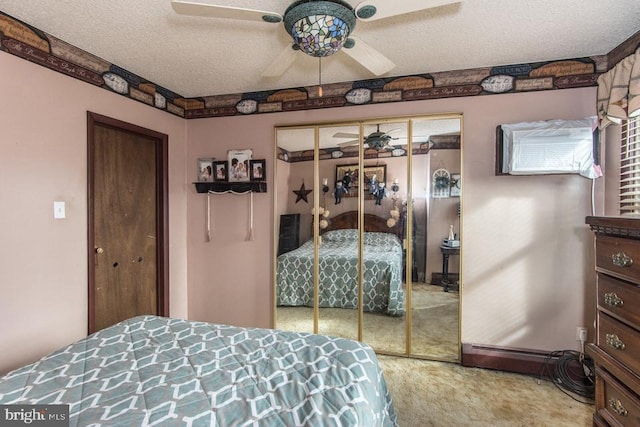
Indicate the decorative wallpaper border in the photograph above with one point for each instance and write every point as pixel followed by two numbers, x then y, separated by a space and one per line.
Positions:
pixel 22 40
pixel 565 74
pixel 435 142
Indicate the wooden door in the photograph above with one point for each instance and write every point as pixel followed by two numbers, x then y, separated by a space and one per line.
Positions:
pixel 127 231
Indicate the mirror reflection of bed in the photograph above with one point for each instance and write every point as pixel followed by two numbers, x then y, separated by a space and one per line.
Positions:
pixel 383 290
pixel 434 312
pixel 390 258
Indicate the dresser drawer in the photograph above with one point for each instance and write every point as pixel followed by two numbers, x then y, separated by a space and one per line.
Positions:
pixel 619 406
pixel 620 341
pixel 618 256
pixel 620 298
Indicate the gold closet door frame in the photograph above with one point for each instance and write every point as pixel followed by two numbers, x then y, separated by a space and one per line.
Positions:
pixel 407 241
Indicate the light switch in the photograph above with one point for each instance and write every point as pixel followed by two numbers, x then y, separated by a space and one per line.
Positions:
pixel 59 210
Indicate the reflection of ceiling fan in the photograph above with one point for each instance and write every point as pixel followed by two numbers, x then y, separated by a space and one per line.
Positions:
pixel 377 140
pixel 319 28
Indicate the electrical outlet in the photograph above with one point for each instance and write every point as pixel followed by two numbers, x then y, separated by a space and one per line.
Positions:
pixel 581 334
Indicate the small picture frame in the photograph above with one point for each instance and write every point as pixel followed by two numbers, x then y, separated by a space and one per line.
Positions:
pixel 205 169
pixel 238 167
pixel 258 170
pixel 220 171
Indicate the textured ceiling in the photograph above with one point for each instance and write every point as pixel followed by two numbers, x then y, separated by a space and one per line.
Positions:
pixel 196 56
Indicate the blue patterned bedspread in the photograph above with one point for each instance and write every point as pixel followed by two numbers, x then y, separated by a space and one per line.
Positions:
pixel 338 254
pixel 168 372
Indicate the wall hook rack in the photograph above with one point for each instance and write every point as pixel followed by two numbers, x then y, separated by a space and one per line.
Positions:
pixel 237 188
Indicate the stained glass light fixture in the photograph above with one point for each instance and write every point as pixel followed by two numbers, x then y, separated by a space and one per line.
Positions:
pixel 320 27
pixel 378 140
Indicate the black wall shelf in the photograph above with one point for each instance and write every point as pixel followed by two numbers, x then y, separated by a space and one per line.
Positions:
pixel 236 187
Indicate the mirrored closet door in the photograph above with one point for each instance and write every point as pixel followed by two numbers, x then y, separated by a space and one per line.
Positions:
pixel 293 204
pixel 360 237
pixel 437 190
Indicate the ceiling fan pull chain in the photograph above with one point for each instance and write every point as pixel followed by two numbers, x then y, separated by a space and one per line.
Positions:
pixel 320 77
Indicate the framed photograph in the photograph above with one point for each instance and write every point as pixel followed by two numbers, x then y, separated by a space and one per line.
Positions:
pixel 239 165
pixel 258 170
pixel 220 171
pixel 350 174
pixel 205 169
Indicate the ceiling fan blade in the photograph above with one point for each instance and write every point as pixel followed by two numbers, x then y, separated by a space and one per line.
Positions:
pixel 413 137
pixel 345 135
pixel 349 143
pixel 214 11
pixel 384 8
pixel 281 63
pixel 369 58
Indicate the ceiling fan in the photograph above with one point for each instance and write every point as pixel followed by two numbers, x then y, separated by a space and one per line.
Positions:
pixel 377 140
pixel 319 28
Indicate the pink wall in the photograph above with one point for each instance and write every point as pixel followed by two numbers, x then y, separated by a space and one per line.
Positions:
pixel 43 262
pixel 229 276
pixel 525 266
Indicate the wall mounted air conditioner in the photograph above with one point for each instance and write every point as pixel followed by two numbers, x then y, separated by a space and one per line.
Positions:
pixel 548 147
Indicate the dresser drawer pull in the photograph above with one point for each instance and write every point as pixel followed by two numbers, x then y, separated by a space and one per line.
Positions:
pixel 617 407
pixel 612 299
pixel 614 341
pixel 621 260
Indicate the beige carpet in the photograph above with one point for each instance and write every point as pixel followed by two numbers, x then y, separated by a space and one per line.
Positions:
pixel 427 393
pixel 443 394
pixel 434 320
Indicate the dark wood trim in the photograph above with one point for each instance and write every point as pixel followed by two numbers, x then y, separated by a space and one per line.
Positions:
pixel 163 222
pixel 614 226
pixel 162 207
pixel 91 239
pixel 521 361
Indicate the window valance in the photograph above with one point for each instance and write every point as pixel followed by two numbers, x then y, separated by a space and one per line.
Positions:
pixel 619 92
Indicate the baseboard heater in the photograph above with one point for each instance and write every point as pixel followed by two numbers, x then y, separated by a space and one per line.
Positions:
pixel 521 361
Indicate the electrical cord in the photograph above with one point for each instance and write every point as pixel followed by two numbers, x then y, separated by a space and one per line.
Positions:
pixel 573 374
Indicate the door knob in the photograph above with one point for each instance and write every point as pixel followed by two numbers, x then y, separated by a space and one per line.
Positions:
pixel 99 250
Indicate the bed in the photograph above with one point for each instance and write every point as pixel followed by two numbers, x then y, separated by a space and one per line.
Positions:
pixel 338 268
pixel 152 370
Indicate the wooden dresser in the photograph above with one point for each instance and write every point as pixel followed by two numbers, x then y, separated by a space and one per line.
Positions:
pixel 616 351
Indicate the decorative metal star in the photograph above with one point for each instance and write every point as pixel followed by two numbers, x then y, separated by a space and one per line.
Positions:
pixel 302 194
